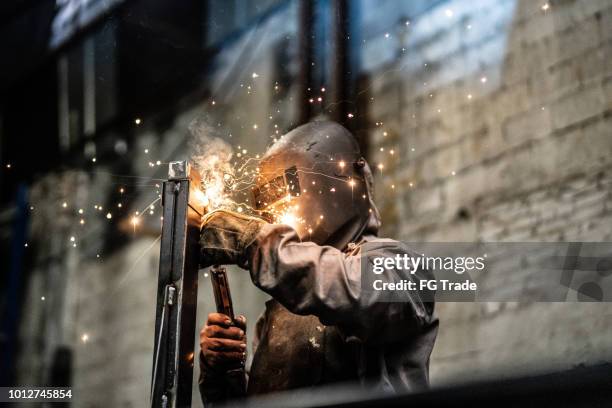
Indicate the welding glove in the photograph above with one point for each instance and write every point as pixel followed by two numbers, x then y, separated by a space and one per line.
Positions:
pixel 225 236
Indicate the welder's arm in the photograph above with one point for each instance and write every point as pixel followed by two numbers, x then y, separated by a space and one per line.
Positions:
pixel 220 387
pixel 323 281
pixel 308 278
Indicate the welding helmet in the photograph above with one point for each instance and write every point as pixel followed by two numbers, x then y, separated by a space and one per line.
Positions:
pixel 315 180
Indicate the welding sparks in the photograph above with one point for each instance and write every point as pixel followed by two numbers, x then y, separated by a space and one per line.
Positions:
pixel 201 198
pixel 288 219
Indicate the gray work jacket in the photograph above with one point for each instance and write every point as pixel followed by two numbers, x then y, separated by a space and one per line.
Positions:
pixel 319 328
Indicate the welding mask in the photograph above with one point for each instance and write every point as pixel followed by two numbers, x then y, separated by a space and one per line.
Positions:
pixel 315 180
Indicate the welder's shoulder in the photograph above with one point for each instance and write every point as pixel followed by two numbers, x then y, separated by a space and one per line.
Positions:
pixel 371 245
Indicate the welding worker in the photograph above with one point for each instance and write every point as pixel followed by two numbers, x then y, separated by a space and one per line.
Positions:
pixel 319 328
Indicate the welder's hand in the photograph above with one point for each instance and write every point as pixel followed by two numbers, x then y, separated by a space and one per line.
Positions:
pixel 223 345
pixel 225 236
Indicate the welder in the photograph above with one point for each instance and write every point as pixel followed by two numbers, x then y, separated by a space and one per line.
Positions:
pixel 319 328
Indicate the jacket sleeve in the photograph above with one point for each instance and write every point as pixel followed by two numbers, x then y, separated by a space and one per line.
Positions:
pixel 308 278
pixel 219 387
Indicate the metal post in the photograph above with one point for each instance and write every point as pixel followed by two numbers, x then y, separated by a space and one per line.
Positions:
pixel 177 289
pixel 306 50
pixel 341 75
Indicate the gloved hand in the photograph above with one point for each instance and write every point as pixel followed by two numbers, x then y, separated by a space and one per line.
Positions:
pixel 225 236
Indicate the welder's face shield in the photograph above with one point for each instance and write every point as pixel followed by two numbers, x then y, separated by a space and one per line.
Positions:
pixel 313 181
pixel 274 198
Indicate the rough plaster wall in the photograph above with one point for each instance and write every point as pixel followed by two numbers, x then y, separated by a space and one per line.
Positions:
pixel 524 156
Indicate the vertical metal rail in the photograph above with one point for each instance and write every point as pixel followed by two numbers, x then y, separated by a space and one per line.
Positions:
pixel 306 51
pixel 341 69
pixel 177 288
pixel 345 61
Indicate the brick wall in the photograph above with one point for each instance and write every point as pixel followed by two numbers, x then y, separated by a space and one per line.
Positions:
pixel 498 113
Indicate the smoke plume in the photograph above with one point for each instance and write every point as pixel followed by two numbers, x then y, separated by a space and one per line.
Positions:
pixel 211 157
